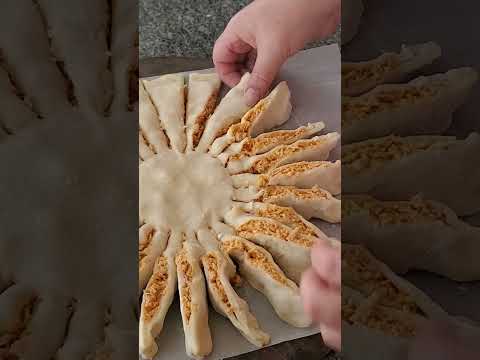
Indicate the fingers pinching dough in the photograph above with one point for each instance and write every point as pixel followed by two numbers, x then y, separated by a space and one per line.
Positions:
pixel 168 95
pixel 258 267
pixel 158 297
pixel 151 243
pixel 203 91
pixel 289 247
pixel 314 202
pixel 225 300
pixel 149 122
pixel 229 111
pixel 268 113
pixel 316 148
pixel 193 299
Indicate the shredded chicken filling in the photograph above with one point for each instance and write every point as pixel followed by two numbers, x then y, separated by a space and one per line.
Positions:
pixel 203 117
pixel 357 109
pixel 375 154
pixel 253 227
pixel 144 245
pixel 304 194
pixel 397 212
pixel 298 168
pixel 216 282
pixel 264 141
pixel 363 275
pixel 241 131
pixel 155 290
pixel 286 216
pixel 272 159
pixel 375 70
pixel 255 257
pixel 381 319
pixel 186 271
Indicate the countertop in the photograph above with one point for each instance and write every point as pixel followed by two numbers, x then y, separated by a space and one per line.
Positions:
pixel 188 28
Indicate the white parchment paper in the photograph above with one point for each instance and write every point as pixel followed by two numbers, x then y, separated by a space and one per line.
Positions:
pixel 314 78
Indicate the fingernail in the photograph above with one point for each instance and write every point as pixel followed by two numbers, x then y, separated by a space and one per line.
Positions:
pixel 251 96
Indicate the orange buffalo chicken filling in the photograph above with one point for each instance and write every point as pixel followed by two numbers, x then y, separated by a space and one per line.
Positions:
pixel 155 290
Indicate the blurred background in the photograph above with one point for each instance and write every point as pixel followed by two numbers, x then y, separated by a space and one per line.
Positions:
pixel 188 28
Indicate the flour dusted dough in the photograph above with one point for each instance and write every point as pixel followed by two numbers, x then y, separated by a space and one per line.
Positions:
pixel 151 243
pixel 313 202
pixel 285 215
pixel 219 270
pixel 258 267
pixel 360 77
pixel 423 106
pixel 193 299
pixel 316 148
pixel 230 110
pixel 158 296
pixel 149 122
pixel 170 179
pixel 324 174
pixel 203 91
pixel 268 141
pixel 288 246
pixel 413 234
pixel 168 94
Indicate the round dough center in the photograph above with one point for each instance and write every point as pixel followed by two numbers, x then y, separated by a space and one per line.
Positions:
pixel 183 191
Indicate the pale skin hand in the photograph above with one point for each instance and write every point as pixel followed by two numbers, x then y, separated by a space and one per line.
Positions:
pixel 320 290
pixel 263 35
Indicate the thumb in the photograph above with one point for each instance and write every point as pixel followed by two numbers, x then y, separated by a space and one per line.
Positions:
pixel 268 63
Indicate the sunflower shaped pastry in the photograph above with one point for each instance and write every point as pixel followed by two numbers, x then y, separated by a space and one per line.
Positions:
pixel 220 195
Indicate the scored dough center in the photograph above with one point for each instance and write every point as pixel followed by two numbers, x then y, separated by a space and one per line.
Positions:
pixel 183 191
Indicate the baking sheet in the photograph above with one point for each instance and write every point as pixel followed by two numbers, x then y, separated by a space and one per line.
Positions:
pixel 314 80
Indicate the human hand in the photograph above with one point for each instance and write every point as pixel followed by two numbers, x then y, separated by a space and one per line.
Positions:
pixel 320 290
pixel 263 35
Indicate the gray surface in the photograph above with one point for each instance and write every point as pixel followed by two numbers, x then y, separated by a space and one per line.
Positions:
pixel 187 27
